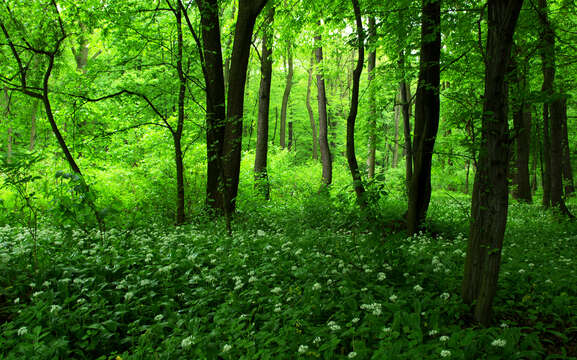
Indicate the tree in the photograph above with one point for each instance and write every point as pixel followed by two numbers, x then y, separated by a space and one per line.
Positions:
pixel 286 96
pixel 372 59
pixel 260 159
pixel 426 115
pixel 490 191
pixel 322 109
pixel 351 157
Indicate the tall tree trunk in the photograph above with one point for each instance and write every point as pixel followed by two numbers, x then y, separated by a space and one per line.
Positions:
pixel 215 103
pixel 567 169
pixel 371 62
pixel 260 160
pixel 351 119
pixel 426 115
pixel 489 208
pixel 553 112
pixel 286 96
pixel 395 147
pixel 248 11
pixel 177 134
pixel 322 108
pixel 310 111
pixel 227 46
pixel 548 67
pixel 522 128
pixel 405 99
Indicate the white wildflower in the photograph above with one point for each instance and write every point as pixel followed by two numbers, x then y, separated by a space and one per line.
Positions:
pixel 303 349
pixel 159 317
pixel 316 286
pixel 226 348
pixel 499 343
pixel 352 355
pixel 333 326
pixel 22 331
pixel 445 296
pixel 445 353
pixel 55 308
pixel 276 290
pixel 433 332
pixel 393 298
pixel 129 295
pixel 187 342
pixel 444 338
pixel 381 276
pixel 418 288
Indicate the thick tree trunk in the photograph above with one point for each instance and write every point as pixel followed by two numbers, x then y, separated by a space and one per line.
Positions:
pixel 490 192
pixel 215 103
pixel 351 119
pixel 247 14
pixel 310 111
pixel 567 169
pixel 405 98
pixel 285 98
pixel 371 62
pixel 260 160
pixel 323 121
pixel 426 115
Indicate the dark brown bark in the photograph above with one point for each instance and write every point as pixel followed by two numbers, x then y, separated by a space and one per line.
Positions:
pixel 490 192
pixel 310 111
pixel 285 97
pixel 522 130
pixel 567 169
pixel 552 116
pixel 177 133
pixel 371 62
pixel 351 119
pixel 426 115
pixel 247 14
pixel 260 160
pixel 215 102
pixel 290 136
pixel 323 121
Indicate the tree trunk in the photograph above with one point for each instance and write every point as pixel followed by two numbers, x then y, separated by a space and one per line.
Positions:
pixel 310 110
pixel 247 14
pixel 290 136
pixel 395 147
pixel 553 112
pixel 426 115
pixel 177 134
pixel 285 98
pixel 405 99
pixel 351 119
pixel 322 108
pixel 215 103
pixel 490 191
pixel 567 169
pixel 226 73
pixel 522 128
pixel 260 160
pixel 372 101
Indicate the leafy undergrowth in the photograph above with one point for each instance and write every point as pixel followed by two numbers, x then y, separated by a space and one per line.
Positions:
pixel 305 281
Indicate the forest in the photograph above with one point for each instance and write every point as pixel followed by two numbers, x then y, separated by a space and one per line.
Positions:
pixel 288 179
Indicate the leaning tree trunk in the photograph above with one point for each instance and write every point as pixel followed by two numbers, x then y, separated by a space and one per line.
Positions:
pixel 351 157
pixel 322 108
pixel 490 191
pixel 260 160
pixel 372 101
pixel 285 98
pixel 426 115
pixel 247 14
pixel 310 111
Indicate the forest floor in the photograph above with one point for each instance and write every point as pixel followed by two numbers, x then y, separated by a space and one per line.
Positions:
pixel 307 280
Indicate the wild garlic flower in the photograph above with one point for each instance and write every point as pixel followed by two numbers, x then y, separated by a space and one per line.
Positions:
pixel 22 331
pixel 352 355
pixel 226 348
pixel 499 343
pixel 445 353
pixel 303 349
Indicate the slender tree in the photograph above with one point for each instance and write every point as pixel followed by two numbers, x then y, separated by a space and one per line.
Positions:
pixel 260 159
pixel 322 108
pixel 371 62
pixel 286 96
pixel 426 115
pixel 490 191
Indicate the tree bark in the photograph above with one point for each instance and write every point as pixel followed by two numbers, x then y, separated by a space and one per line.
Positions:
pixel 247 14
pixel 177 134
pixel 260 160
pixel 290 136
pixel 567 169
pixel 215 102
pixel 395 147
pixel 522 129
pixel 405 99
pixel 371 62
pixel 490 191
pixel 351 119
pixel 285 97
pixel 552 117
pixel 310 111
pixel 322 108
pixel 427 108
